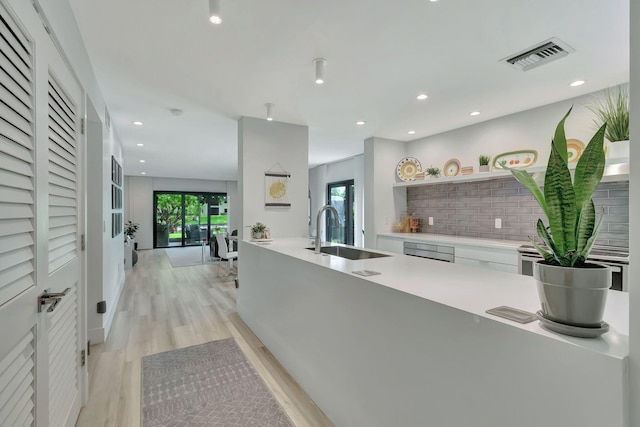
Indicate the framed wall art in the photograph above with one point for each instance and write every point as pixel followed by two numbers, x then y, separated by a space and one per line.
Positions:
pixel 276 189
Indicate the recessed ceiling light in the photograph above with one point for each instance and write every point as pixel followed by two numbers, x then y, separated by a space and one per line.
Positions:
pixel 422 96
pixel 474 113
pixel 411 132
pixel 360 122
pixel 143 173
pixel 140 145
pixel 577 83
pixel 137 123
pixel 142 161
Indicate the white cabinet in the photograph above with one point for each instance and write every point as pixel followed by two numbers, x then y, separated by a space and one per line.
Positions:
pixel 390 244
pixel 501 259
pixel 491 254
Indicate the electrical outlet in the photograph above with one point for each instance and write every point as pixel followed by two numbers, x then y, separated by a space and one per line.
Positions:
pixel 430 220
pixel 498 222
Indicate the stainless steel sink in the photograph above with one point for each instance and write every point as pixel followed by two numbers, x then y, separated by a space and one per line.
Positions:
pixel 349 253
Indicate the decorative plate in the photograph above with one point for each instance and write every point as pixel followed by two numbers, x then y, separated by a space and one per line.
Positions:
pixel 408 168
pixel 452 167
pixel 575 147
pixel 515 159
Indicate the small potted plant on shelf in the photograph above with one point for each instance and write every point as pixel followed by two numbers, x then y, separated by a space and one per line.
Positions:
pixel 483 160
pixel 258 230
pixel 613 109
pixel 572 290
pixel 433 172
pixel 130 230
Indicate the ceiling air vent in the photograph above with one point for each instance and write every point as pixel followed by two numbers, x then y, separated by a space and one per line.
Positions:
pixel 539 54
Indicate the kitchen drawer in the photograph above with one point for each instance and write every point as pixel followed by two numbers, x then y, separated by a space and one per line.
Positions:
pixel 489 265
pixel 429 247
pixel 502 256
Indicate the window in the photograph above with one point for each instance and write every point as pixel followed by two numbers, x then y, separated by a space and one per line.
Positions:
pixel 188 219
pixel 341 195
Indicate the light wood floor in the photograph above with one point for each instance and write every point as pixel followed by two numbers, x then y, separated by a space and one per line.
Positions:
pixel 164 308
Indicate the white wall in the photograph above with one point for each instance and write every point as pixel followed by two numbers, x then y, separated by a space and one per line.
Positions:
pixel 202 185
pixel 265 146
pixel 139 200
pixel 531 129
pixel 634 212
pixel 233 200
pixel 382 202
pixel 321 175
pixel 138 207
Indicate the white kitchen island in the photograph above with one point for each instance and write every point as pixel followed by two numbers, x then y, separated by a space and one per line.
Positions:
pixel 413 345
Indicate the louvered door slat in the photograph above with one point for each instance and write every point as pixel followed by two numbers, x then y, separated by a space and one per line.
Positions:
pixel 14 256
pixel 14 242
pixel 58 181
pixel 15 119
pixel 17 388
pixel 63 381
pixel 62 211
pixel 12 227
pixel 61 138
pixel 19 182
pixel 61 231
pixel 15 60
pixel 16 136
pixel 18 152
pixel 12 211
pixel 14 103
pixel 61 161
pixel 18 89
pixel 62 178
pixel 21 43
pixel 61 147
pixel 10 76
pixel 19 168
pixel 60 171
pixel 15 195
pixel 57 116
pixel 65 240
pixel 55 200
pixel 64 110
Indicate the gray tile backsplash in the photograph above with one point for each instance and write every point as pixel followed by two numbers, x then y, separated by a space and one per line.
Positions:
pixel 470 209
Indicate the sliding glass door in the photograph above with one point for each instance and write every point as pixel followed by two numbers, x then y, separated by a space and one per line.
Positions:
pixel 188 219
pixel 341 195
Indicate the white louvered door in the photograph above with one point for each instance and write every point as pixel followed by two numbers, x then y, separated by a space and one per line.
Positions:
pixel 41 377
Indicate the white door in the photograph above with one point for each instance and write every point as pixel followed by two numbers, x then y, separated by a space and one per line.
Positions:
pixel 41 220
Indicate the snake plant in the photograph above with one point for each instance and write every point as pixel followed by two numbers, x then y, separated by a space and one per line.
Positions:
pixel 567 204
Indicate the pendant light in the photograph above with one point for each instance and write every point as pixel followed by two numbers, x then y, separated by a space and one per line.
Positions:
pixel 269 111
pixel 320 63
pixel 214 12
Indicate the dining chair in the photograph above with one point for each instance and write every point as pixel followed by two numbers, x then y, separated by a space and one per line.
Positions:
pixel 224 253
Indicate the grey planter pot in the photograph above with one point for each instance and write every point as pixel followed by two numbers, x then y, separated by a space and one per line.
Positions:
pixel 573 296
pixel 484 168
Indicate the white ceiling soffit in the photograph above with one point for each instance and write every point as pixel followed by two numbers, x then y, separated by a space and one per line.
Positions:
pixel 540 54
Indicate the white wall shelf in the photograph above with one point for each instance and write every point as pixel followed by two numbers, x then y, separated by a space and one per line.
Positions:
pixel 615 170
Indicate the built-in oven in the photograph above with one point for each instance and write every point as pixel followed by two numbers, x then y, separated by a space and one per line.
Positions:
pixel 616 258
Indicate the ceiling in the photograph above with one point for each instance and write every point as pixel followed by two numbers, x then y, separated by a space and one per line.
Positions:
pixel 151 56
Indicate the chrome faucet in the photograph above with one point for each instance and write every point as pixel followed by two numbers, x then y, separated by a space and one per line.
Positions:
pixel 335 216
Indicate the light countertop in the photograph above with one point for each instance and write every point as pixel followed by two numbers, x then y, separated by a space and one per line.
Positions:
pixel 465 288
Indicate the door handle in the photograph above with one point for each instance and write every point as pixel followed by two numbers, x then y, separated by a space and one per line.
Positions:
pixel 51 299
